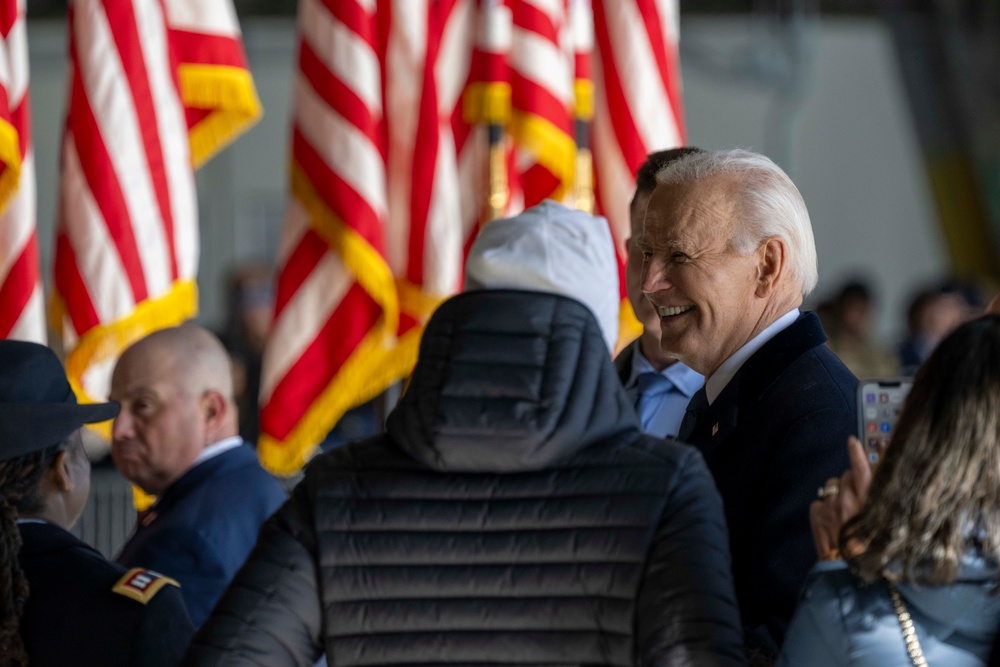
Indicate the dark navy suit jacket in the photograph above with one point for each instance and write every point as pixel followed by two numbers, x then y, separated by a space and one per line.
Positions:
pixel 203 527
pixel 773 436
pixel 74 617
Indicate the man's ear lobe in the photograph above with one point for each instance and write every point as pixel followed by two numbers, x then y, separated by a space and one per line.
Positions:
pixel 770 265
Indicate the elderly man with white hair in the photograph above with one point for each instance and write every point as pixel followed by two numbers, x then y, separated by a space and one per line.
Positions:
pixel 513 512
pixel 728 255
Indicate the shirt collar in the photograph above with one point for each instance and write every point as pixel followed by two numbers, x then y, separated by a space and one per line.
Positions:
pixel 727 371
pixel 685 380
pixel 217 448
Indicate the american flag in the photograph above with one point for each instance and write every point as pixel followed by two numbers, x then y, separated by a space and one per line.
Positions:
pixel 22 311
pixel 155 86
pixel 389 172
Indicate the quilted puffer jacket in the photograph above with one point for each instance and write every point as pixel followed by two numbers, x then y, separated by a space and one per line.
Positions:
pixel 513 514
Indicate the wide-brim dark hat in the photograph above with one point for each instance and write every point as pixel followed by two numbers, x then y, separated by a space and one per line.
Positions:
pixel 38 408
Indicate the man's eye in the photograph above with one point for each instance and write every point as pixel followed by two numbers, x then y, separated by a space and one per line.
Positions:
pixel 646 255
pixel 679 257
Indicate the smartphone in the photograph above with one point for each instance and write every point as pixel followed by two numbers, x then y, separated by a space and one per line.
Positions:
pixel 880 400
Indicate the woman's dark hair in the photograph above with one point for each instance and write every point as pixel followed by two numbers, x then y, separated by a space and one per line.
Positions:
pixel 936 492
pixel 19 480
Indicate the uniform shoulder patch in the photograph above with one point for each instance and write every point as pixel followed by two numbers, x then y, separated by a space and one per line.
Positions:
pixel 141 585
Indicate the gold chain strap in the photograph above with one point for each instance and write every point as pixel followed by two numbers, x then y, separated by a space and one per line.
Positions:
pixel 906 625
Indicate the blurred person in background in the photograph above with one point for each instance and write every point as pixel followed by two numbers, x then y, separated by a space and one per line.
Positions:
pixel 933 313
pixel 920 538
pixel 250 297
pixel 176 438
pixel 513 512
pixel 848 319
pixel 62 602
pixel 659 386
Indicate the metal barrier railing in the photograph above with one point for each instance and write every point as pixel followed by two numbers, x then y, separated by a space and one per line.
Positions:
pixel 109 515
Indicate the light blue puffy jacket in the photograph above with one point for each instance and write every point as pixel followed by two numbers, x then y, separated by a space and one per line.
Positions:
pixel 841 622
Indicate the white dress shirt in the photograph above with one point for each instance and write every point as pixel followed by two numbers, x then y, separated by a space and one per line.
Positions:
pixel 727 371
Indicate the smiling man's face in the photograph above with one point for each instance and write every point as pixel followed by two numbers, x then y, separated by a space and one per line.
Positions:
pixel 704 291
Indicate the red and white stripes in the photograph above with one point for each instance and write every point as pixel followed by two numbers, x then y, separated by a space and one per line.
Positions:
pixel 638 97
pixel 155 88
pixel 127 228
pixel 334 292
pixel 389 174
pixel 22 313
pixel 384 176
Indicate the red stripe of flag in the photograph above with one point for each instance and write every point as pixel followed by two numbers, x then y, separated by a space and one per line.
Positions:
pixel 336 95
pixel 8 16
pixel 425 152
pixel 125 32
pixel 626 133
pixel 336 340
pixel 353 16
pixel 300 264
pixel 381 24
pixel 199 48
pixel 528 17
pixel 538 183
pixel 665 62
pixel 342 200
pixel 20 118
pixel 101 178
pixel 526 95
pixel 71 286
pixel 18 285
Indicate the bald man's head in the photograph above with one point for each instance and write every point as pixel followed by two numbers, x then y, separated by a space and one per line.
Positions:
pixel 175 387
pixel 194 357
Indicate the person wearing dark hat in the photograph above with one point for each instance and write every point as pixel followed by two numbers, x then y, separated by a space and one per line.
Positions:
pixel 62 602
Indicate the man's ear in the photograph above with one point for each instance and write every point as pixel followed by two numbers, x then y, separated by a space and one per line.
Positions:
pixel 771 258
pixel 214 407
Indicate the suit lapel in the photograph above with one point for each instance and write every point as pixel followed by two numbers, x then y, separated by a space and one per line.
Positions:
pixel 753 379
pixel 721 419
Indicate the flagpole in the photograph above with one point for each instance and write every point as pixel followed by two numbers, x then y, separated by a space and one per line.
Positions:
pixel 499 187
pixel 582 26
pixel 488 100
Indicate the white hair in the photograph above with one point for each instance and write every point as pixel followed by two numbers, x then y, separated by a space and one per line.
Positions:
pixel 770 205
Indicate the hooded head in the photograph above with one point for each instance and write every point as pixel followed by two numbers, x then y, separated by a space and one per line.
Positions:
pixel 555 249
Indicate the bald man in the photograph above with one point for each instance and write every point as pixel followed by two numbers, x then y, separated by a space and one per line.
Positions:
pixel 176 438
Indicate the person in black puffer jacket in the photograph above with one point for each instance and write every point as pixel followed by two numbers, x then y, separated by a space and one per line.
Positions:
pixel 513 513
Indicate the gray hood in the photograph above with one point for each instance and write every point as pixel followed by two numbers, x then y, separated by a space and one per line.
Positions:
pixel 510 381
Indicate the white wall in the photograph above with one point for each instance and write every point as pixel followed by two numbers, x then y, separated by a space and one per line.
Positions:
pixel 849 145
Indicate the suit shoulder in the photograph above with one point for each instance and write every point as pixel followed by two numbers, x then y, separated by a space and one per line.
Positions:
pixel 818 378
pixel 77 567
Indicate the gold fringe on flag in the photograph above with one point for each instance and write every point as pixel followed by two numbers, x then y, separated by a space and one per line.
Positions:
pixel 486 103
pixel 230 96
pixel 10 155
